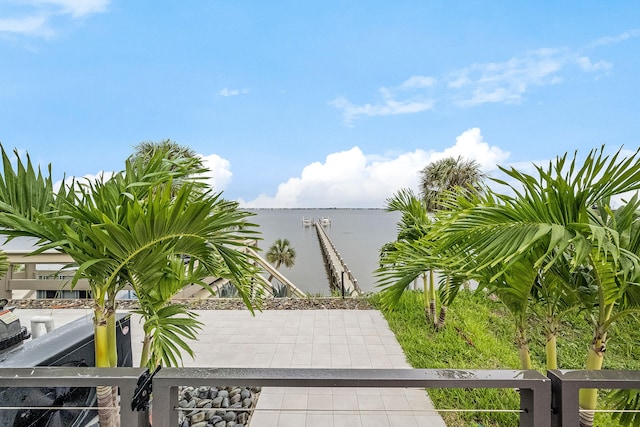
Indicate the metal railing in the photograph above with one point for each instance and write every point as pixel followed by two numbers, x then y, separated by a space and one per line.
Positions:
pixel 124 378
pixel 566 384
pixel 534 388
pixel 544 400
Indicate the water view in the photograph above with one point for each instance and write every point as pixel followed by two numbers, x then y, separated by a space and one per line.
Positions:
pixel 357 233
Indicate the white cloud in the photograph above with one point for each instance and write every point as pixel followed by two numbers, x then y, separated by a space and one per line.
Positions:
pixel 418 82
pixel 504 82
pixel 76 8
pixel 83 179
pixel 388 107
pixel 603 41
pixel 36 20
pixel 585 63
pixel 219 175
pixel 233 92
pixel 354 179
pixel 34 25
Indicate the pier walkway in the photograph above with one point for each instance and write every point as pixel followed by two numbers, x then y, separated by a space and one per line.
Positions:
pixel 341 277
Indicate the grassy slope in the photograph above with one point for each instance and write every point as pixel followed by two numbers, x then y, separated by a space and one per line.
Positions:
pixel 479 335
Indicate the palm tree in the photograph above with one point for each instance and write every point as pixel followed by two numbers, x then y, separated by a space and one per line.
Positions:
pixel 4 264
pixel 281 253
pixel 414 224
pixel 444 175
pixel 125 231
pixel 171 151
pixel 551 222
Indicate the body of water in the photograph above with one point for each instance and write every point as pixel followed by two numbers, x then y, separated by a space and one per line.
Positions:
pixel 358 234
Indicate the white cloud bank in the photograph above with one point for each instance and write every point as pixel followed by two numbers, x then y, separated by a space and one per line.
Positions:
pixel 37 15
pixel 354 179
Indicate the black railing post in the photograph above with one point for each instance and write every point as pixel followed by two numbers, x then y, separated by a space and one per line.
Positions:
pixel 535 405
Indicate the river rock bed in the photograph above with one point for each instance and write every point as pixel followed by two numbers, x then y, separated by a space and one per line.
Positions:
pixel 311 303
pixel 216 407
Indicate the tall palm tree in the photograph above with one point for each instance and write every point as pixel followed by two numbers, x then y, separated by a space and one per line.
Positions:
pixel 171 150
pixel 551 221
pixel 281 253
pixel 414 224
pixel 123 231
pixel 444 175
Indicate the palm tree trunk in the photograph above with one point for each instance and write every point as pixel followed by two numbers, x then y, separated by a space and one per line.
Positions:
pixel 425 293
pixel 589 396
pixel 551 335
pixel 106 403
pixel 111 337
pixel 523 348
pixel 551 350
pixel 432 298
pixel 442 317
pixel 146 348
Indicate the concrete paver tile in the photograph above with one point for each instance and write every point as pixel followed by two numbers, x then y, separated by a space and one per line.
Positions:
pixel 347 420
pixel 322 402
pixel 339 349
pixel 338 339
pixel 345 402
pixel 370 403
pixel 293 400
pixel 396 403
pixel 292 419
pixel 269 400
pixel 320 390
pixel 265 419
pixel 301 359
pixel 319 420
pixel 374 420
pixel 430 421
pixel 402 420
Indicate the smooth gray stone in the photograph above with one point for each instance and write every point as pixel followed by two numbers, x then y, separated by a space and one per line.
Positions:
pixel 229 416
pixel 214 418
pixel 203 402
pixel 242 418
pixel 200 416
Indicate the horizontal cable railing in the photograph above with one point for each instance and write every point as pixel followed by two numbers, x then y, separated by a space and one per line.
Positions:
pixel 125 379
pixel 534 388
pixel 544 401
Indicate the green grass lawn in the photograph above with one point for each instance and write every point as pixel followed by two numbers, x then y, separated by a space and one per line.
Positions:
pixel 479 334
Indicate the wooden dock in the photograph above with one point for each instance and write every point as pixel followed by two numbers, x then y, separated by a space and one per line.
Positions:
pixel 341 278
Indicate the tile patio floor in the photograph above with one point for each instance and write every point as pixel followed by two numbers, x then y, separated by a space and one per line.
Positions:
pixel 301 339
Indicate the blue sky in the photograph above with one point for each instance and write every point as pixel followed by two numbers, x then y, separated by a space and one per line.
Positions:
pixel 317 103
